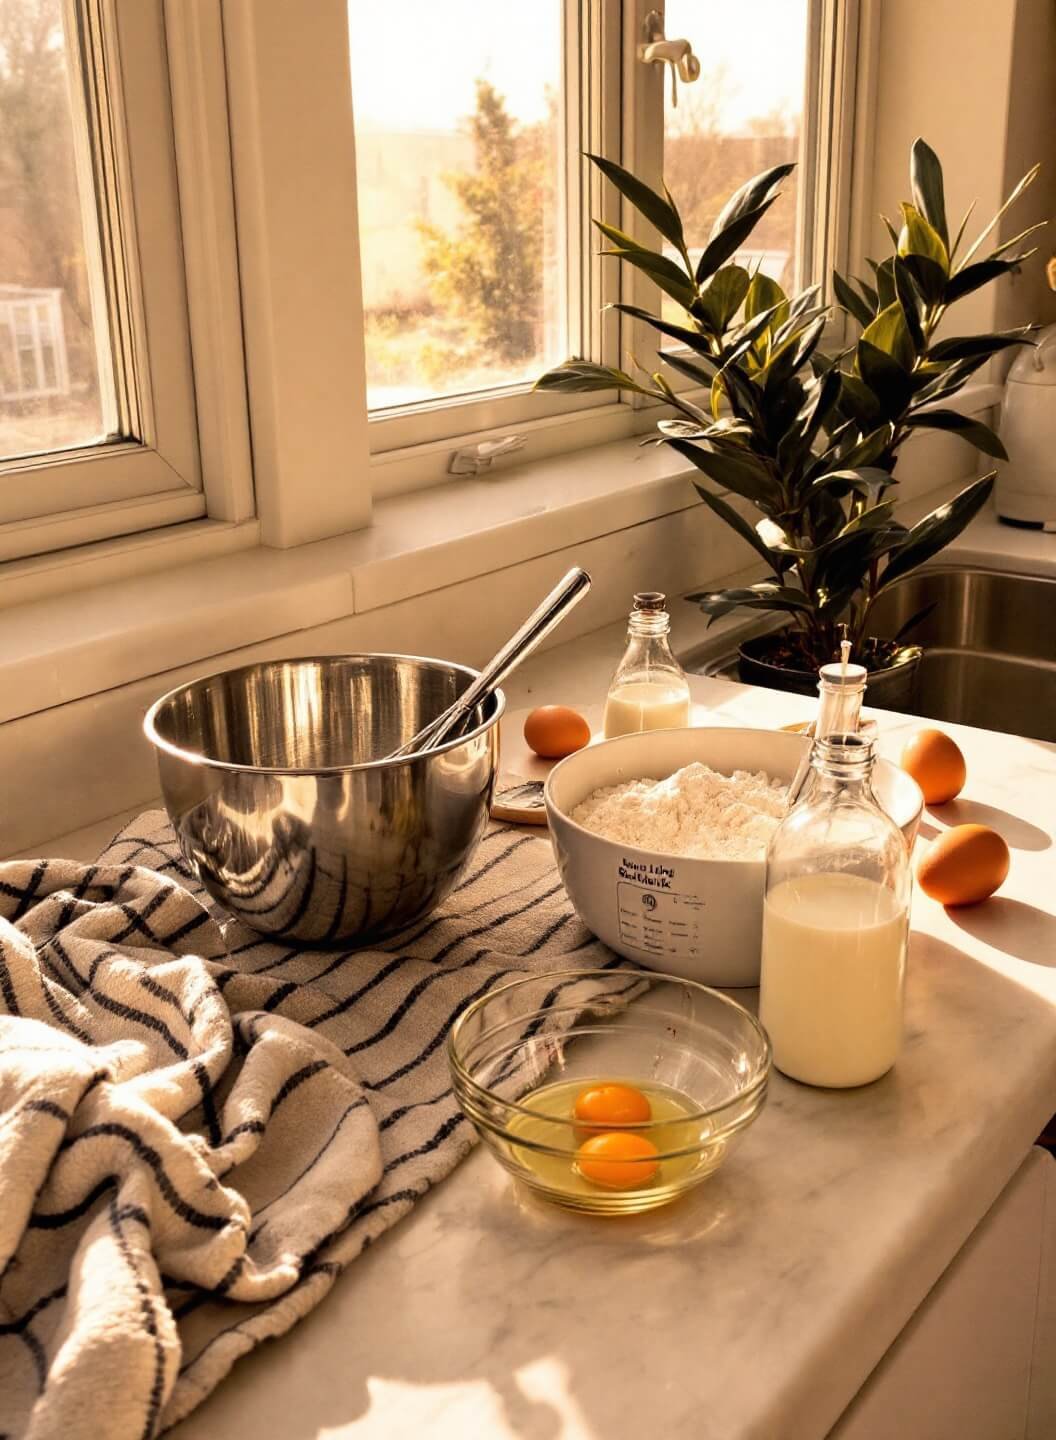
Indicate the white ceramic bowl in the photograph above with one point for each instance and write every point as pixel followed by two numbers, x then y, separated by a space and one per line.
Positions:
pixel 700 919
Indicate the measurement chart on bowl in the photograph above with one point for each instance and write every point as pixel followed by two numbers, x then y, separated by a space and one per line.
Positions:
pixel 653 915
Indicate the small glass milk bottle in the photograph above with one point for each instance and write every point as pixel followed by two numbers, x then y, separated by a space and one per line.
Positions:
pixel 649 690
pixel 835 925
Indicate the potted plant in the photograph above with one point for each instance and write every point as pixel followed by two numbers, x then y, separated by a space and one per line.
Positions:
pixel 810 441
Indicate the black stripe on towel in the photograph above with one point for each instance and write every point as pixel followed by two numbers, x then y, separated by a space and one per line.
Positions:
pixel 396 1016
pixel 150 1322
pixel 441 1035
pixel 7 986
pixel 137 919
pixel 350 1109
pixel 60 1015
pixel 209 1115
pixel 494 924
pixel 183 1208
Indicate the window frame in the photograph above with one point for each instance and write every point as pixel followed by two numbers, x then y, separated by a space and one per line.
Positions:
pixel 147 99
pixel 840 59
pixel 625 118
pixel 411 444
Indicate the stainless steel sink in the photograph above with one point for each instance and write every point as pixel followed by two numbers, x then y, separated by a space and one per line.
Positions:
pixel 989 648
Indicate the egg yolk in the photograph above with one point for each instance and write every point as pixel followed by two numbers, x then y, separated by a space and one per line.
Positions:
pixel 610 1105
pixel 619 1160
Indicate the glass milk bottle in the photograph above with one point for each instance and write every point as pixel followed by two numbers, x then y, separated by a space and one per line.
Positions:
pixel 835 925
pixel 649 690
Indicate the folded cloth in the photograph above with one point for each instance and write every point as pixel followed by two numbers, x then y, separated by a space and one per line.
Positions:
pixel 200 1128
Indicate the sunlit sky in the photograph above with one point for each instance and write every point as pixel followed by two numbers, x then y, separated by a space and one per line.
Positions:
pixel 414 62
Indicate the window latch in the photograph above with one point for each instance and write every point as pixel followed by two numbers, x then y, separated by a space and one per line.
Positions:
pixel 656 49
pixel 474 459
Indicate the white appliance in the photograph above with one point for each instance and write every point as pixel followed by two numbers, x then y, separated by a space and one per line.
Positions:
pixel 1025 493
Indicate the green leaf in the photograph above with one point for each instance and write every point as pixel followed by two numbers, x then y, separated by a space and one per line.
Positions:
pixel 850 301
pixel 1007 245
pixel 870 447
pixel 692 369
pixel 822 404
pixel 750 332
pixel 803 306
pixel 620 237
pixel 859 402
pixel 660 269
pixel 728 241
pixel 872 299
pixel 790 357
pixel 737 523
pixel 885 377
pixel 890 333
pixel 692 338
pixel 936 530
pixel 885 282
pixel 660 212
pixel 1028 179
pixel 740 472
pixel 863 480
pixel 826 514
pixel 925 173
pixel 766 595
pixel 878 516
pixel 698 416
pixel 722 297
pixel 750 196
pixel 952 378
pixel 575 376
pixel 778 539
pixel 960 230
pixel 974 431
pixel 973 277
pixel 929 277
pixel 682 429
pixel 910 300
pixel 763 294
pixel 844 561
pixel 967 347
pixel 918 237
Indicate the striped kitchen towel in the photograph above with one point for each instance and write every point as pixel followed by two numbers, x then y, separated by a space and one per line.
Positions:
pixel 199 1129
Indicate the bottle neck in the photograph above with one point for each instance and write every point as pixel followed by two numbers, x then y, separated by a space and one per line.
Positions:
pixel 648 625
pixel 843 762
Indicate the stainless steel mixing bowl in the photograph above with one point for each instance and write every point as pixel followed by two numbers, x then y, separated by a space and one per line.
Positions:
pixel 272 783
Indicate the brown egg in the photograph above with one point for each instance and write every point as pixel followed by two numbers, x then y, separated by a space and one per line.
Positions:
pixel 963 865
pixel 936 764
pixel 554 731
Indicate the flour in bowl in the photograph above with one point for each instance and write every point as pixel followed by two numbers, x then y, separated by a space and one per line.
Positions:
pixel 695 812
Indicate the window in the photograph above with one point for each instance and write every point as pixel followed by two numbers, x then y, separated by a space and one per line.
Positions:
pixel 479 264
pixel 744 114
pixel 462 196
pixel 56 367
pixel 98 424
pixel 138 335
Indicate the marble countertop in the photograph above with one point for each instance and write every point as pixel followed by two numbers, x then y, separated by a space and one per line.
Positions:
pixel 755 1308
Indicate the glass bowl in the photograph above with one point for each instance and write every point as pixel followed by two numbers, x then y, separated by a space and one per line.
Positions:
pixel 520 1055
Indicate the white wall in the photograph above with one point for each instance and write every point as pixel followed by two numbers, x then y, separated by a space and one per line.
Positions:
pixel 1031 137
pixel 976 78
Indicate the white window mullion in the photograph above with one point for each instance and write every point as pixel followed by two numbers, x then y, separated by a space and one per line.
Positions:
pixel 194 37
pixel 295 198
pixel 603 89
pixel 643 155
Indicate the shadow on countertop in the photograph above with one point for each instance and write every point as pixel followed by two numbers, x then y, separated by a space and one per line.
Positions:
pixel 1011 926
pixel 1020 834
